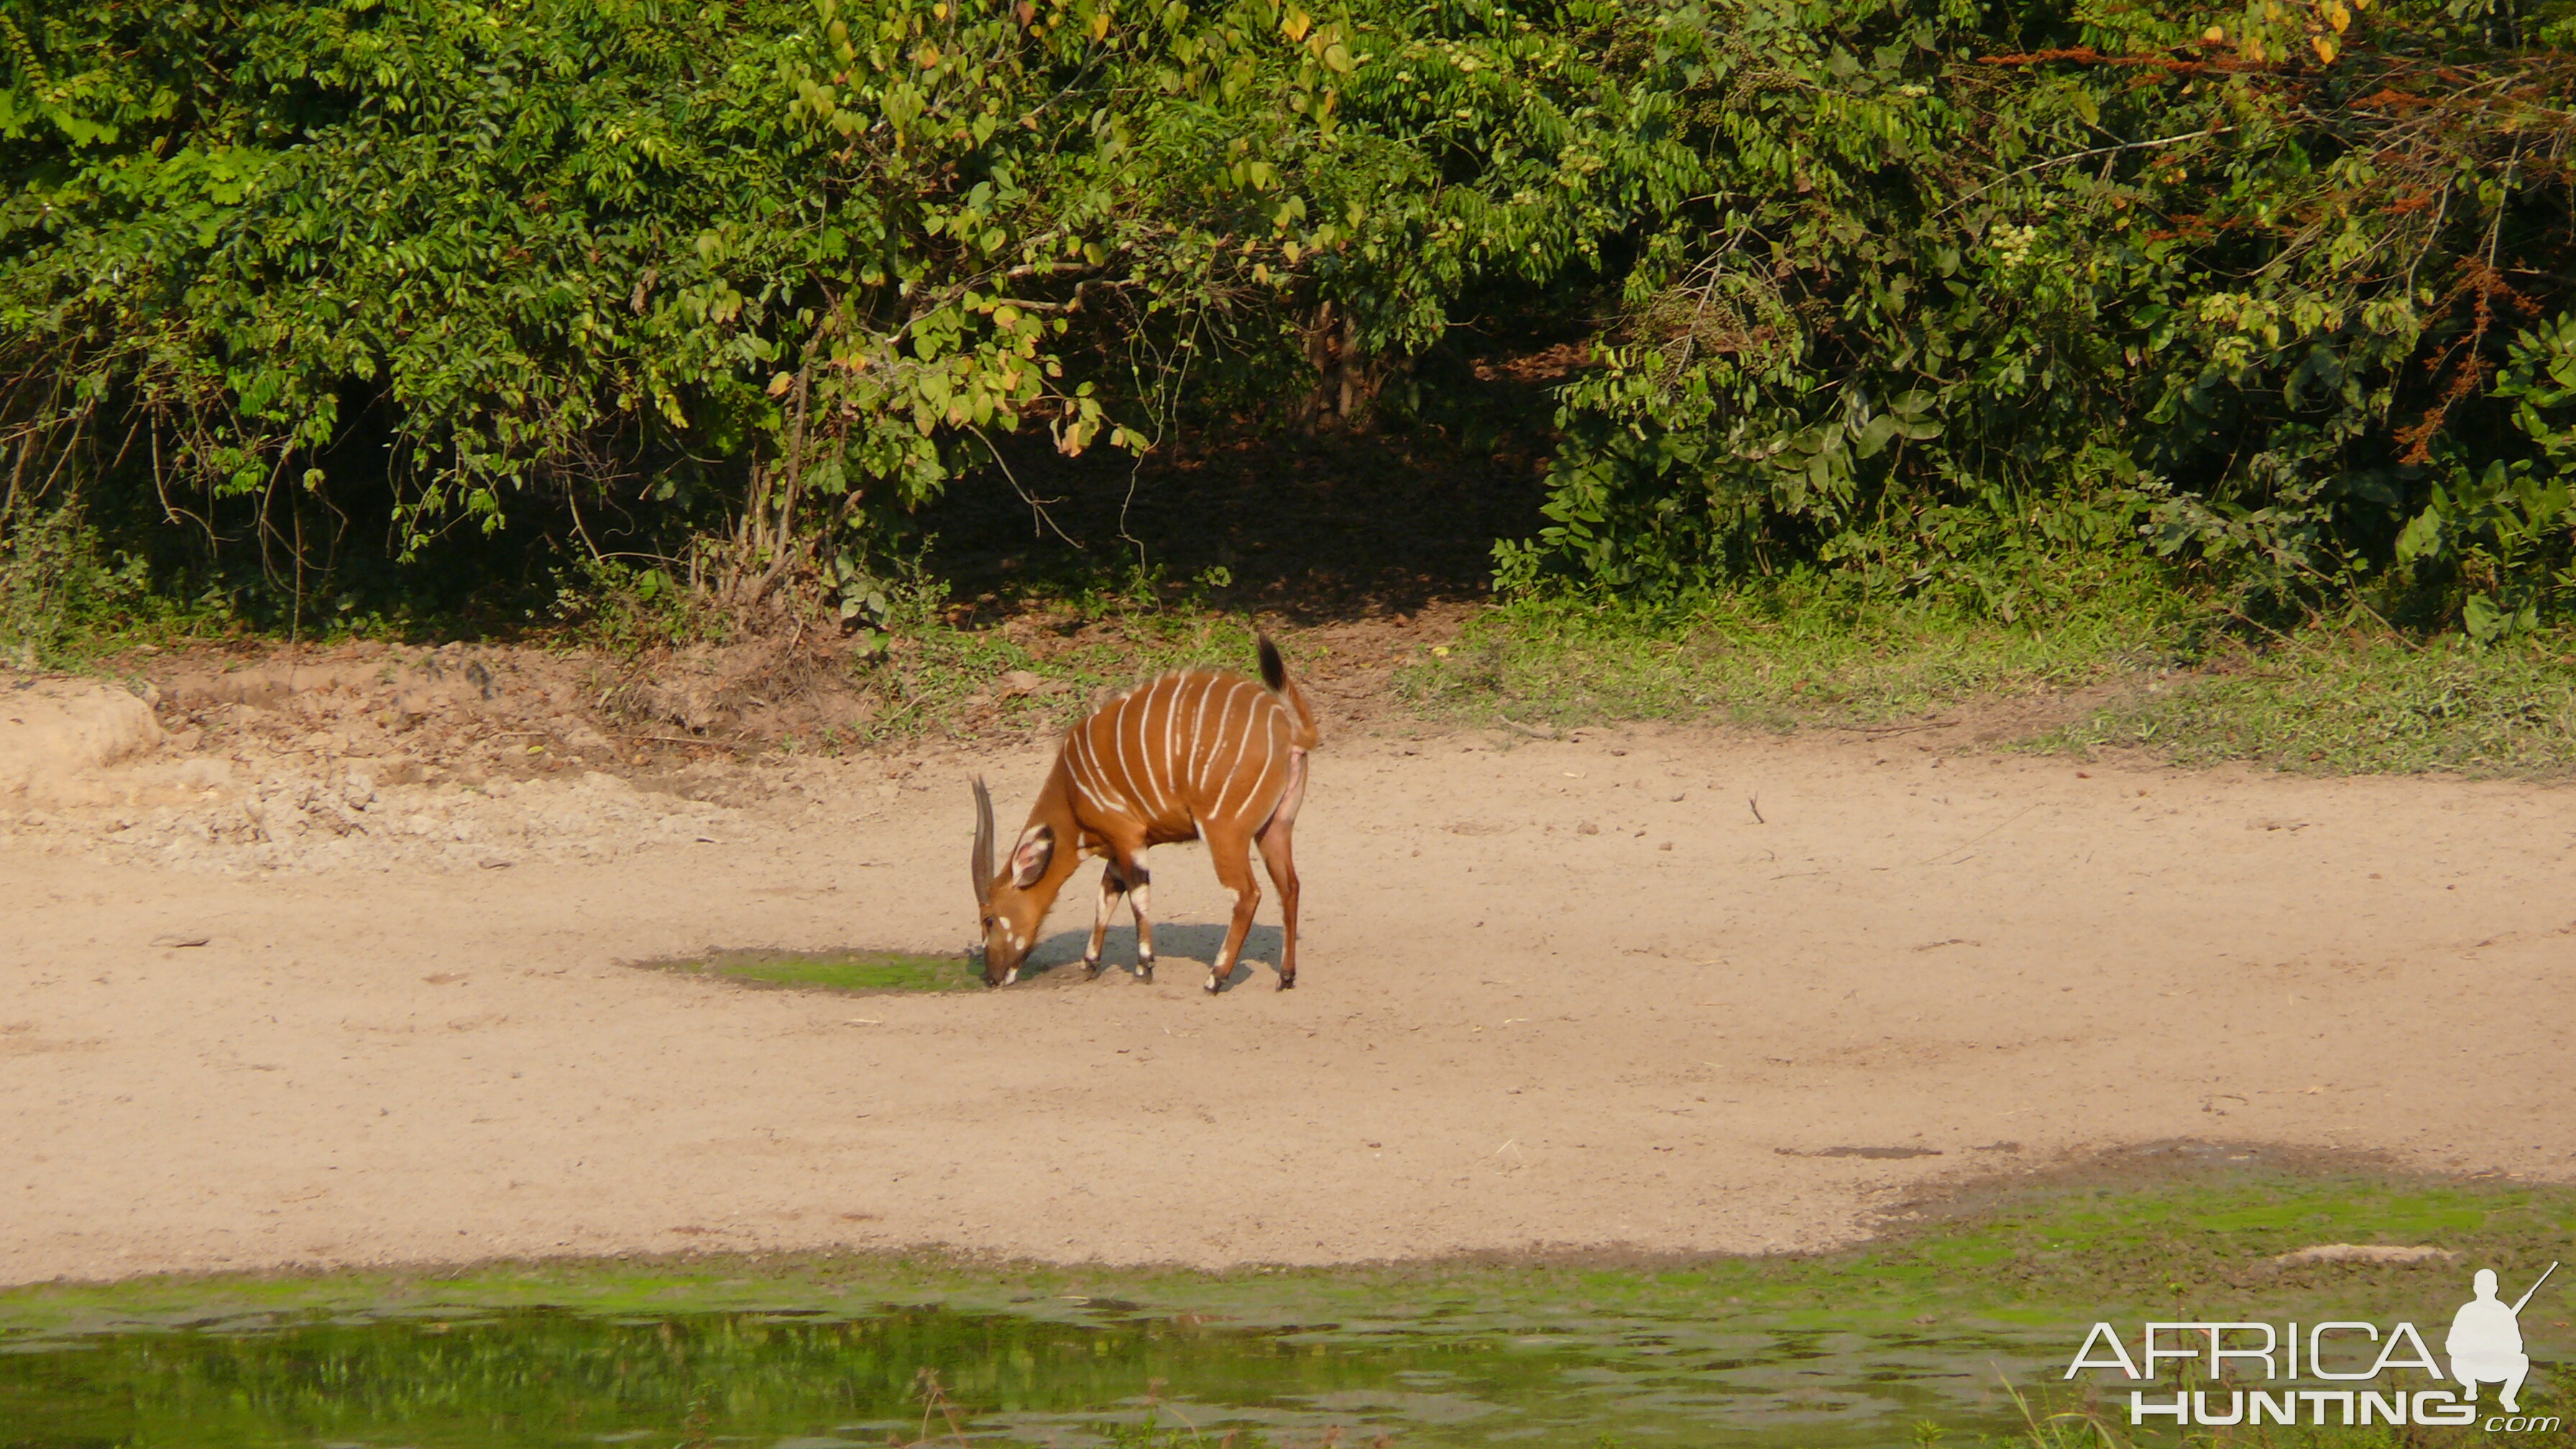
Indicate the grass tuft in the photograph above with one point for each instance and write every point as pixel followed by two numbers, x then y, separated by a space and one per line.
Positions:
pixel 2339 704
pixel 1779 659
pixel 854 972
pixel 2130 668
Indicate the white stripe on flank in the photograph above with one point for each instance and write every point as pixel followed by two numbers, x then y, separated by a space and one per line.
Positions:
pixel 1075 764
pixel 1171 742
pixel 1123 792
pixel 1156 781
pixel 1134 710
pixel 1073 777
pixel 1142 764
pixel 1233 769
pixel 1271 739
pixel 1096 779
pixel 1118 737
pixel 1198 734
pixel 1149 789
pixel 1222 779
pixel 1073 771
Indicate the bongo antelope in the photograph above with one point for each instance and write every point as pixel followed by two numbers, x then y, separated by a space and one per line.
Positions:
pixel 1189 756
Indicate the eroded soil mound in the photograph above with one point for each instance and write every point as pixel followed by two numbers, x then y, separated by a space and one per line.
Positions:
pixel 445 757
pixel 56 735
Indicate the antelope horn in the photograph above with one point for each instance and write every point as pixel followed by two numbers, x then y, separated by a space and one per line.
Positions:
pixel 983 862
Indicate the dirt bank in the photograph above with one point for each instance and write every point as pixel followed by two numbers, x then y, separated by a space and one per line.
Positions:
pixel 1559 993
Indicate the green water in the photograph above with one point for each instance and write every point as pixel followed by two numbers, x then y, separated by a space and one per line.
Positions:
pixel 1872 1346
pixel 544 1377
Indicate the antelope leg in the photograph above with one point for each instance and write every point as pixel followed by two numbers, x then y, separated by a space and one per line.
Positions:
pixel 1233 856
pixel 1142 880
pixel 1111 887
pixel 1282 862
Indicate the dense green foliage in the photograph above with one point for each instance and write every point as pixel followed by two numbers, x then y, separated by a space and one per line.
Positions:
pixel 1972 285
pixel 759 267
pixel 1916 292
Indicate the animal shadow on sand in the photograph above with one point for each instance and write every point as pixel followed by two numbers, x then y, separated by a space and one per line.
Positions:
pixel 1183 951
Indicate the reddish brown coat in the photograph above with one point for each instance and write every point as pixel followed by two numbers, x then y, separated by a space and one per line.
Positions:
pixel 1196 754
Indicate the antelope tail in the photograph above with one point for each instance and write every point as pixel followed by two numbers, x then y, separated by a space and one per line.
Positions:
pixel 1274 675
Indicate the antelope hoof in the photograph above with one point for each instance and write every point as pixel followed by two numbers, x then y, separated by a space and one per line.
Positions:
pixel 1287 983
pixel 1145 970
pixel 1213 979
pixel 1090 967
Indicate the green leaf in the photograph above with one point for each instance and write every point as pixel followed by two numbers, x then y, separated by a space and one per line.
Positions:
pixel 2421 539
pixel 2485 623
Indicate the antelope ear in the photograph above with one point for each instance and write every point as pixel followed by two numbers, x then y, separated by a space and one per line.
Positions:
pixel 1029 858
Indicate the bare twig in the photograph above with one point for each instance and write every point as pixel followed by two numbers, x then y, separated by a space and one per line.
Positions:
pixel 2074 156
pixel 685 740
pixel 1037 509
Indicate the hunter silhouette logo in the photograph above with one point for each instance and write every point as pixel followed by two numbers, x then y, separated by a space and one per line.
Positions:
pixel 2256 1370
pixel 2486 1341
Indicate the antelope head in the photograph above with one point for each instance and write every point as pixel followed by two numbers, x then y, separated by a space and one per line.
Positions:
pixel 1013 899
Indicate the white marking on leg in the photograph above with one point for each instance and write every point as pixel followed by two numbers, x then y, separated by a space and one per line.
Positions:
pixel 1099 924
pixel 1144 931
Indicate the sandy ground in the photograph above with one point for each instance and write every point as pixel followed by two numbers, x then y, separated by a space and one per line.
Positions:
pixel 1554 994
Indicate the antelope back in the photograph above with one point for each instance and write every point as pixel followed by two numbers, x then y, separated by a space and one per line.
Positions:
pixel 1189 750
